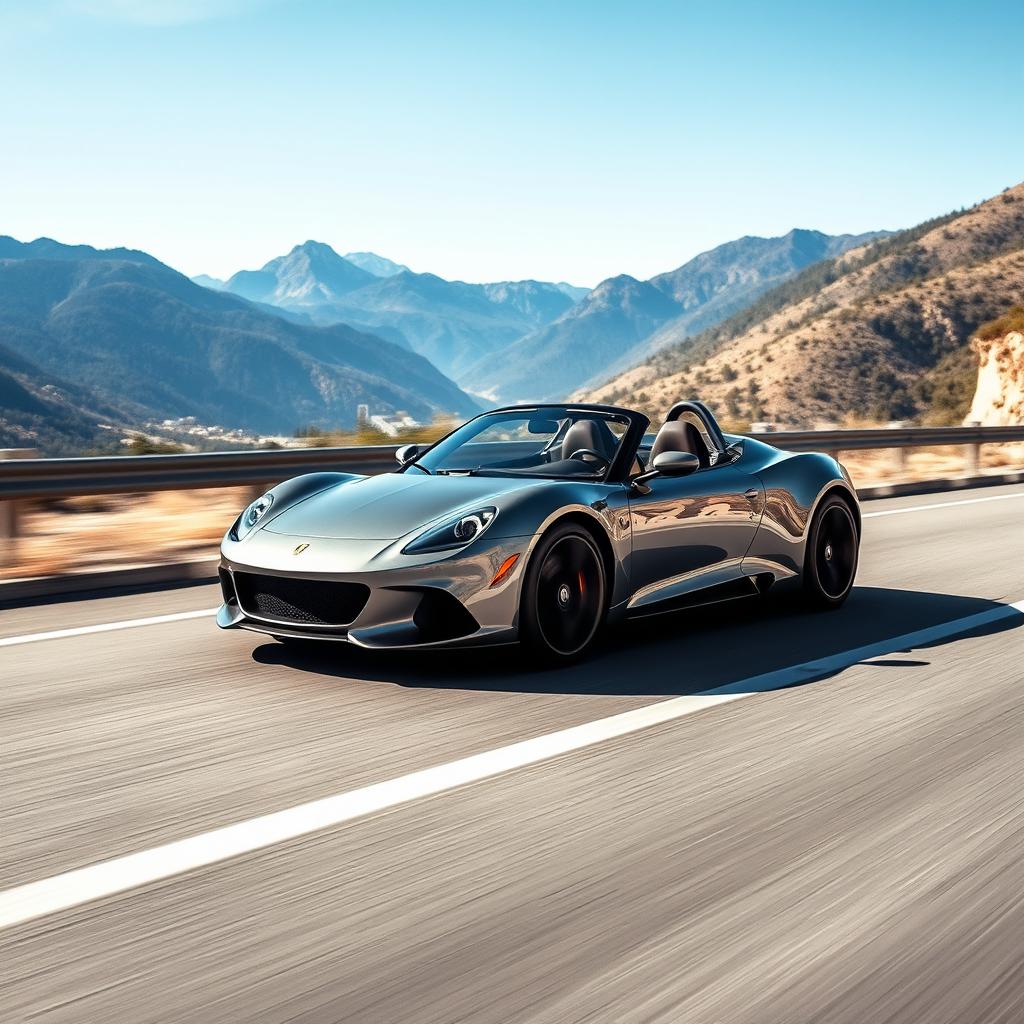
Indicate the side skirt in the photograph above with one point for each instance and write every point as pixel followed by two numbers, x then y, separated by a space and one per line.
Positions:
pixel 731 590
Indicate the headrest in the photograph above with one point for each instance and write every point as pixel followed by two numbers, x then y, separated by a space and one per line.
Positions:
pixel 583 434
pixel 680 436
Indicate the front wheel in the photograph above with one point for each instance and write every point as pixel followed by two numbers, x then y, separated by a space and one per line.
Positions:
pixel 564 596
pixel 830 560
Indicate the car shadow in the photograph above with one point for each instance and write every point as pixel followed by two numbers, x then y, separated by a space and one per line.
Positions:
pixel 678 653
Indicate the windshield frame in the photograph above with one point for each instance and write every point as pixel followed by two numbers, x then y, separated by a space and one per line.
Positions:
pixel 616 472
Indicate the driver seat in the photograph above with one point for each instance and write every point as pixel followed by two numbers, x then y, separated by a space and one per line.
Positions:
pixel 585 434
pixel 680 436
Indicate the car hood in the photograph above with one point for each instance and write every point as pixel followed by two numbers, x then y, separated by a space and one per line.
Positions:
pixel 388 506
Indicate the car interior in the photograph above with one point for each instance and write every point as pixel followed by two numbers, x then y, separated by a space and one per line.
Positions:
pixel 566 446
pixel 574 444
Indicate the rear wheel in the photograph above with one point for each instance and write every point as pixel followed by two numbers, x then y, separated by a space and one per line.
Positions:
pixel 830 561
pixel 564 596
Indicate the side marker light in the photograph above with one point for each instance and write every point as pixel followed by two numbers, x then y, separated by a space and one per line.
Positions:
pixel 505 568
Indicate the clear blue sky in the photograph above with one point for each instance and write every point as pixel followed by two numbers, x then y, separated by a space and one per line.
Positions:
pixel 484 141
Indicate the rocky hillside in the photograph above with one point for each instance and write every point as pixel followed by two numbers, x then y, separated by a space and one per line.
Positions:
pixel 43 411
pixel 880 332
pixel 999 395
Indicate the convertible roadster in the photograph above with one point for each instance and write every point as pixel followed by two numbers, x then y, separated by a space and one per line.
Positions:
pixel 539 524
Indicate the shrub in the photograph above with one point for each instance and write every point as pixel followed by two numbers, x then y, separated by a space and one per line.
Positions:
pixel 1012 320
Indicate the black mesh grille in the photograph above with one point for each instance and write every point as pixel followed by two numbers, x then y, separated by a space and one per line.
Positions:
pixel 313 602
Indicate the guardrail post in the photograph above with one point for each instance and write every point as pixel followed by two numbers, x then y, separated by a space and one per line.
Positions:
pixel 900 453
pixel 11 511
pixel 972 459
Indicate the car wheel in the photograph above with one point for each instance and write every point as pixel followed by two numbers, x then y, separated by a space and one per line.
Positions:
pixel 563 601
pixel 830 560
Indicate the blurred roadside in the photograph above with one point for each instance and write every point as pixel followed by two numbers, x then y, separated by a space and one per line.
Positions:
pixel 120 530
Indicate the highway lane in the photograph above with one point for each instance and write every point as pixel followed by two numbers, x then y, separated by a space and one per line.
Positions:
pixel 672 874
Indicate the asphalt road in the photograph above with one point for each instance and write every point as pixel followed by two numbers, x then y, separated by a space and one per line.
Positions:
pixel 848 849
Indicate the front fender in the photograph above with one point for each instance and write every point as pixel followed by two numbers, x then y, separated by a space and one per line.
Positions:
pixel 603 507
pixel 289 493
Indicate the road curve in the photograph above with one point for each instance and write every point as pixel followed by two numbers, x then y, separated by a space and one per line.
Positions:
pixel 847 849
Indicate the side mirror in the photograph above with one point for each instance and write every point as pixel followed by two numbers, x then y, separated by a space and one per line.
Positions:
pixel 407 453
pixel 676 463
pixel 666 464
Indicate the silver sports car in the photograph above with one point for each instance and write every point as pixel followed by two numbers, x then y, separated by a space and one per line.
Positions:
pixel 538 524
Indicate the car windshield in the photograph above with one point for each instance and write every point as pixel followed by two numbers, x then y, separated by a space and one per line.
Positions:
pixel 550 442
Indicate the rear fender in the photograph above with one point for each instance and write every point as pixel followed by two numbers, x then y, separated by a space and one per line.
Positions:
pixel 794 488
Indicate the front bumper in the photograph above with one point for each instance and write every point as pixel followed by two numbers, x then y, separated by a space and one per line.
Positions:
pixel 417 605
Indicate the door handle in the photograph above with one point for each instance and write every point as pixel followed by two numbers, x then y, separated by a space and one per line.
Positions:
pixel 752 494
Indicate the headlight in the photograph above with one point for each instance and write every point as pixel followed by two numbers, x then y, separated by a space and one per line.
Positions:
pixel 455 533
pixel 252 515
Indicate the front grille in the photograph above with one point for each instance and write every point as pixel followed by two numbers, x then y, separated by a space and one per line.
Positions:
pixel 309 602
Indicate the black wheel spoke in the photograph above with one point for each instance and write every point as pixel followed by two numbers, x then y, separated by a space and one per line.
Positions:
pixel 570 594
pixel 836 550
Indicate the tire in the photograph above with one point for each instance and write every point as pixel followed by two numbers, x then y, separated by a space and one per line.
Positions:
pixel 830 559
pixel 564 597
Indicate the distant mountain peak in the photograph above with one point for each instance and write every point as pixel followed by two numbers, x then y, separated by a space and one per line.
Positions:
pixel 379 266
pixel 311 247
pixel 206 281
pixel 309 274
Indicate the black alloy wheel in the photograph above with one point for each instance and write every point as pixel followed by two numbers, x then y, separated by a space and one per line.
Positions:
pixel 564 596
pixel 830 562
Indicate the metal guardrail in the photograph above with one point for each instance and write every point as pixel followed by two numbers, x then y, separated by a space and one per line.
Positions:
pixel 64 478
pixel 124 474
pixel 888 437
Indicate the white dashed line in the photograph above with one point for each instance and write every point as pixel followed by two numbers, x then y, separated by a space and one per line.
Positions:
pixel 941 504
pixel 105 627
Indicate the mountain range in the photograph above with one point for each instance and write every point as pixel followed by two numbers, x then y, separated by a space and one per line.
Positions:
pixel 879 332
pixel 451 323
pixel 141 342
pixel 622 320
pixel 530 340
pixel 116 336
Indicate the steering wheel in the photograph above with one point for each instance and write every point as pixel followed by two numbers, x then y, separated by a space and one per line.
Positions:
pixel 580 452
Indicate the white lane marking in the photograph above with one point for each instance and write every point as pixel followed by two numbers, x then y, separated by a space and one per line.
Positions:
pixel 61 892
pixel 941 504
pixel 104 627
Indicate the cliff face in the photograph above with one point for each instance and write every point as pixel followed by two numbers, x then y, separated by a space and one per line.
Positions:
pixel 999 398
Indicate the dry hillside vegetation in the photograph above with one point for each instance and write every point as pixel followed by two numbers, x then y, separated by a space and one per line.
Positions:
pixel 880 333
